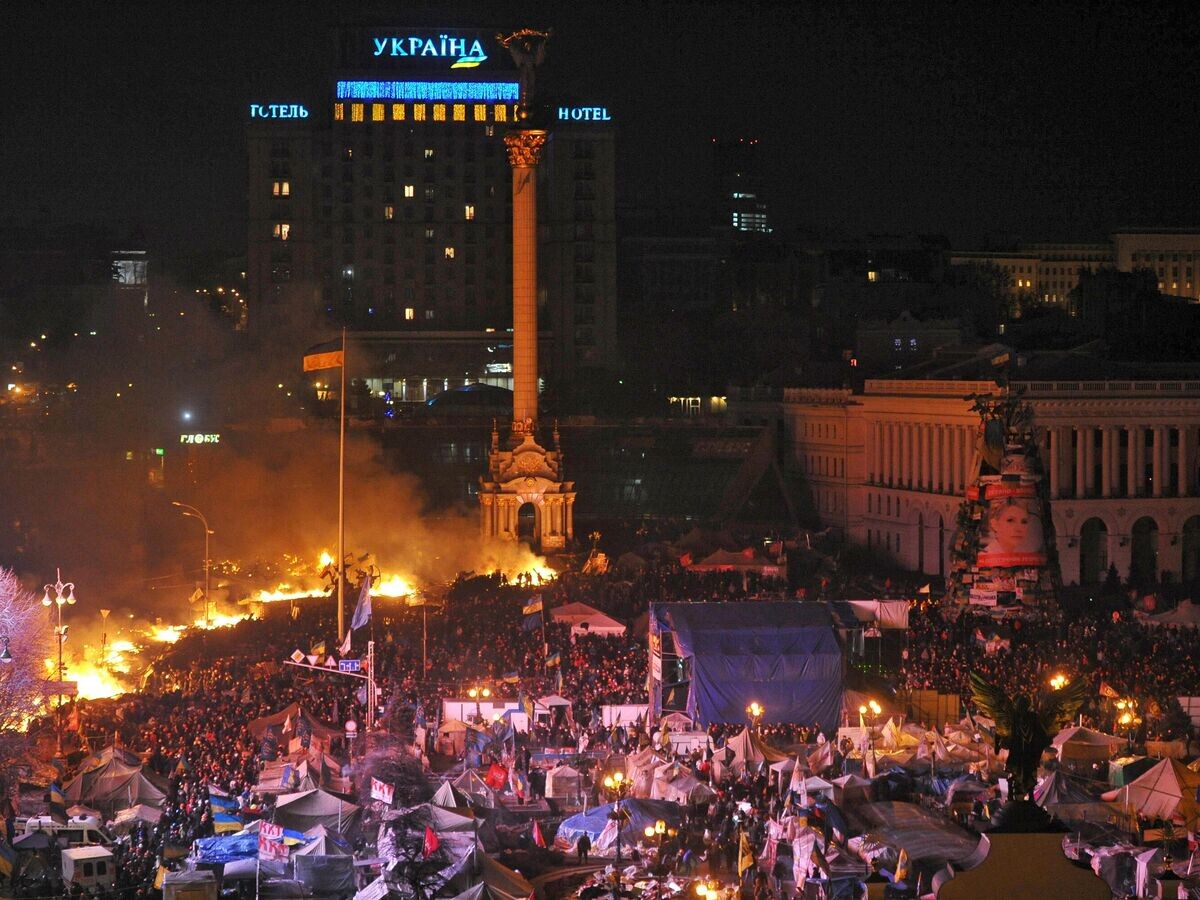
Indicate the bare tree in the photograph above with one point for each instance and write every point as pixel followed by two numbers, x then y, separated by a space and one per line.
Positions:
pixel 26 629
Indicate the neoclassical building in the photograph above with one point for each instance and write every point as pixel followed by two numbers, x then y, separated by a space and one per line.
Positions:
pixel 887 466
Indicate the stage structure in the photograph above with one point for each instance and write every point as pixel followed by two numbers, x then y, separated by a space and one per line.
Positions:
pixel 712 660
pixel 525 495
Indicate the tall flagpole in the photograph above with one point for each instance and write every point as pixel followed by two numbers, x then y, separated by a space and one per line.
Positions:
pixel 341 585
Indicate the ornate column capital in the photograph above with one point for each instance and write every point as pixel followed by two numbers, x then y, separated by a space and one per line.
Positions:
pixel 525 148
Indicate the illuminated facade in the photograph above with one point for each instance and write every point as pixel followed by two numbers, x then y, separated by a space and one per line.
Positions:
pixel 386 206
pixel 887 467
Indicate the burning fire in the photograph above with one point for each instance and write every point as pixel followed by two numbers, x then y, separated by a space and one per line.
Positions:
pixel 393 586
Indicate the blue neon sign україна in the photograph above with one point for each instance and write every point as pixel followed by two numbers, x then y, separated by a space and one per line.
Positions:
pixel 444 46
pixel 462 91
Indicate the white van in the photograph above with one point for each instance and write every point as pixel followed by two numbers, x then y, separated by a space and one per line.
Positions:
pixel 78 831
pixel 89 867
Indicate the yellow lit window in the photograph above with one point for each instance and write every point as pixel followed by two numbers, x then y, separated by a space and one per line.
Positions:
pixel 356 112
pixel 281 188
pixel 429 153
pixel 397 112
pixel 469 212
pixel 389 212
pixel 418 112
pixel 460 112
pixel 409 314
pixel 439 112
pixel 449 251
pixel 339 112
pixel 409 191
pixel 480 112
pixel 376 112
pixel 500 113
pixel 282 231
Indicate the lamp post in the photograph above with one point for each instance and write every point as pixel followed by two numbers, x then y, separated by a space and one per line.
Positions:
pixel 194 513
pixel 64 594
pixel 617 784
pixel 755 712
pixel 6 658
pixel 1128 718
pixel 475 693
pixel 870 712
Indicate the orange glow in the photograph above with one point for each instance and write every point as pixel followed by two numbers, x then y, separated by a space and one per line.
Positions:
pixel 393 586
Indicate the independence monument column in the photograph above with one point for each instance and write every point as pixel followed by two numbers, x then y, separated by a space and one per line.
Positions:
pixel 524 496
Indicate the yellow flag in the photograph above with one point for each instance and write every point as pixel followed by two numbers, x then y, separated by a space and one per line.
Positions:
pixel 745 855
pixel 314 362
pixel 902 866
pixel 158 877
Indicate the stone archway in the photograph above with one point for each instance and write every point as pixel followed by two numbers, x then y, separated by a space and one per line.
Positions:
pixel 1191 549
pixel 1093 551
pixel 1143 555
pixel 527 524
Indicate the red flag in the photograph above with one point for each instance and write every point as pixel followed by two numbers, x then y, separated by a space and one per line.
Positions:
pixel 431 843
pixel 537 835
pixel 685 560
pixel 1107 690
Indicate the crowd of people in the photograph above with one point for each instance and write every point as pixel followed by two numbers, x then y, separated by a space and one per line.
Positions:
pixel 191 719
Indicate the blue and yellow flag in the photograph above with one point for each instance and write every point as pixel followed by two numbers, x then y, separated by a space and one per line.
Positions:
pixel 219 801
pixel 58 804
pixel 227 823
pixel 533 606
pixel 531 622
pixel 510 678
pixel 553 659
pixel 8 859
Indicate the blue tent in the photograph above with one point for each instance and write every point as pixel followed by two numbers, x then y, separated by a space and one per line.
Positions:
pixel 784 655
pixel 593 822
pixel 225 848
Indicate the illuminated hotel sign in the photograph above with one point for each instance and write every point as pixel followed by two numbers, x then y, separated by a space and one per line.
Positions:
pixel 584 114
pixel 466 55
pixel 278 111
pixel 463 91
pixel 199 439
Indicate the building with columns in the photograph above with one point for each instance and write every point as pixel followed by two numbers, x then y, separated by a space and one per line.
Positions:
pixel 887 465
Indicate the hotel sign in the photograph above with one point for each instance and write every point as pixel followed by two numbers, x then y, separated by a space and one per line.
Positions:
pixel 199 439
pixel 278 111
pixel 584 114
pixel 465 53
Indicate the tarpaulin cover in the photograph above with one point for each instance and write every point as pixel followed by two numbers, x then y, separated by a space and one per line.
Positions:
pixel 595 823
pixel 784 655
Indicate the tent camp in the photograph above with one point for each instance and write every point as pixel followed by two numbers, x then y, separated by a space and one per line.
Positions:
pixel 307 809
pixel 294 717
pixel 112 784
pixel 679 785
pixel 595 823
pixel 1079 744
pixel 449 797
pixel 1167 791
pixel 585 619
pixel 736 561
pixel 851 789
pixel 783 655
pixel 324 841
pixel 888 614
pixel 744 750
pixel 1185 615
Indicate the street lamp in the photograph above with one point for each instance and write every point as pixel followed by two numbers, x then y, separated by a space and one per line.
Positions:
pixel 870 712
pixel 64 594
pixel 755 712
pixel 475 693
pixel 618 784
pixel 1059 681
pixel 5 657
pixel 192 512
pixel 1128 718
pixel 654 833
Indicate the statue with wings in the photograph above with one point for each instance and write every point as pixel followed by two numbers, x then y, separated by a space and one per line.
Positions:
pixel 1026 724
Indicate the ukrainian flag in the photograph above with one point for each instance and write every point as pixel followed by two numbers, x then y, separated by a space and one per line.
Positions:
pixel 226 823
pixel 58 804
pixel 8 859
pixel 533 607
pixel 510 678
pixel 220 802
pixel 553 659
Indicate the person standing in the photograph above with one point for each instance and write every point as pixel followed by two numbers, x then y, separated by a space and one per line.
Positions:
pixel 582 847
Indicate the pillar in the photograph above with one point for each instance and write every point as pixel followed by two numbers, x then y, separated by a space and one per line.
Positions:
pixel 939 458
pixel 956 458
pixel 968 454
pixel 1159 454
pixel 1106 454
pixel 876 452
pixel 1080 462
pixel 923 456
pixel 1053 440
pixel 1138 445
pixel 1185 485
pixel 524 154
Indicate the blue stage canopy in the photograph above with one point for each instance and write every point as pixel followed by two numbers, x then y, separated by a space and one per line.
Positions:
pixel 785 655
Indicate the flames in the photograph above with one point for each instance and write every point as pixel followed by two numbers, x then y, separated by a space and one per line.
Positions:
pixel 393 586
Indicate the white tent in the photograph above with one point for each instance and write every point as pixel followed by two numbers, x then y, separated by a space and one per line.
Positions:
pixel 564 781
pixel 1084 744
pixel 884 613
pixel 1167 791
pixel 681 786
pixel 851 789
pixel 128 818
pixel 585 619
pixel 1185 615
pixel 814 785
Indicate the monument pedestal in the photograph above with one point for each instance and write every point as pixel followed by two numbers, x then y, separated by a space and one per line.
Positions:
pixel 527 474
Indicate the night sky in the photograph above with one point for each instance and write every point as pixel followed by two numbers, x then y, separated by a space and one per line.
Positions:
pixel 979 121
